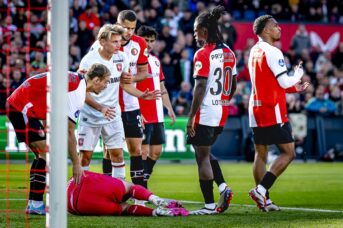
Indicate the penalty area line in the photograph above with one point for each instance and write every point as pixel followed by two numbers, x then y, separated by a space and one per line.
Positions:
pixel 282 208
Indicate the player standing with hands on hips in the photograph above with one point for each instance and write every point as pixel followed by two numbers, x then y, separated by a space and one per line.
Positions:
pixel 267 108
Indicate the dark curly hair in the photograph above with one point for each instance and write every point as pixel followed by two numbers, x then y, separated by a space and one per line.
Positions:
pixel 209 20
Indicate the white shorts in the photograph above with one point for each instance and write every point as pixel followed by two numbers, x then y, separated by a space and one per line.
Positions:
pixel 112 135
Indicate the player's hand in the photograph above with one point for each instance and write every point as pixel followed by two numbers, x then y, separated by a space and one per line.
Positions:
pixel 190 127
pixel 299 68
pixel 77 173
pixel 301 87
pixel 143 121
pixel 172 116
pixel 151 95
pixel 126 78
pixel 108 112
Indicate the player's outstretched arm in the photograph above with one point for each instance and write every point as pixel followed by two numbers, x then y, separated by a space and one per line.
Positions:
pixel 142 73
pixel 77 169
pixel 146 95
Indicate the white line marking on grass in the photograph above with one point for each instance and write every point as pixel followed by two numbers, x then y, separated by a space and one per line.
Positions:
pixel 282 208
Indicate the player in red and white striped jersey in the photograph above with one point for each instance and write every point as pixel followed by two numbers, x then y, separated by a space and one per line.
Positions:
pixel 152 111
pixel 267 108
pixel 215 84
pixel 27 107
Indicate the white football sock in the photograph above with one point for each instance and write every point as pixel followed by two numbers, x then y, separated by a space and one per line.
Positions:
pixel 118 170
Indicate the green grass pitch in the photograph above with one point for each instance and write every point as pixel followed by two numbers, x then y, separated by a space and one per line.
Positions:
pixel 310 195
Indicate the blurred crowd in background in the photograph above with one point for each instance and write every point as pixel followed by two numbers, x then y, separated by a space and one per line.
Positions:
pixel 23 38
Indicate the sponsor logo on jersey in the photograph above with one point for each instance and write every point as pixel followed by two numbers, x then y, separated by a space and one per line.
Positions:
pixel 281 62
pixel 225 55
pixel 132 64
pixel 118 61
pixel 41 133
pixel 134 51
pixel 119 67
pixel 114 80
pixel 77 113
pixel 157 63
pixel 146 53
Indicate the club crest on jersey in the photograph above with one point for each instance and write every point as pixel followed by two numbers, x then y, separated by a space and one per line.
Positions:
pixel 119 67
pixel 134 51
pixel 157 63
pixel 281 62
pixel 80 141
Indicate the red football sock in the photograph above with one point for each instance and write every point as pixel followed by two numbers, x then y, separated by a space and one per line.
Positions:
pixel 139 192
pixel 138 210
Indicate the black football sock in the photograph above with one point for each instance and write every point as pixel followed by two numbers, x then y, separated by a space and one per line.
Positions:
pixel 40 180
pixel 217 172
pixel 149 167
pixel 32 177
pixel 207 190
pixel 107 167
pixel 136 170
pixel 268 180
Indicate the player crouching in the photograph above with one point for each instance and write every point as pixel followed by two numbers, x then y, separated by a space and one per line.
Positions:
pixel 98 194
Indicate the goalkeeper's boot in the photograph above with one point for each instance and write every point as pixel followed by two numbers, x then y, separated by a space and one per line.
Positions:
pixel 204 211
pixel 159 202
pixel 259 199
pixel 162 211
pixel 224 200
pixel 35 210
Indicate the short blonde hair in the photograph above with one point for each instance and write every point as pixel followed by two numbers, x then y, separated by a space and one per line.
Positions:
pixel 106 31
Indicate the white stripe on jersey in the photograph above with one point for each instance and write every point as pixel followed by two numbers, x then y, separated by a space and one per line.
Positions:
pixel 278 114
pixel 155 73
pixel 76 100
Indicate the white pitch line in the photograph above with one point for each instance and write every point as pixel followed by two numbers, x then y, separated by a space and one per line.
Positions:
pixel 242 205
pixel 282 208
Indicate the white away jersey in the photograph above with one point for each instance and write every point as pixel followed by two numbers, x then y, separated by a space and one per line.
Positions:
pixel 108 97
pixel 217 63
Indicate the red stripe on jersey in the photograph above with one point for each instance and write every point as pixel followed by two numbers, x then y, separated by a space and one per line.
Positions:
pixel 121 100
pixel 152 110
pixel 227 85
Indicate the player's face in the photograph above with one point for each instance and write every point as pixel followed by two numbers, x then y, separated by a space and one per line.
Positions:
pixel 274 29
pixel 130 28
pixel 113 44
pixel 200 34
pixel 100 85
pixel 150 41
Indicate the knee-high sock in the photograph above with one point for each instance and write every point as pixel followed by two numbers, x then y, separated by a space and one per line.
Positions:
pixel 106 167
pixel 207 190
pixel 32 177
pixel 138 210
pixel 149 167
pixel 140 193
pixel 217 172
pixel 137 170
pixel 118 170
pixel 39 180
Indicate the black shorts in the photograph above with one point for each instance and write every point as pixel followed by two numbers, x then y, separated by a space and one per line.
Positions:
pixel 132 122
pixel 154 134
pixel 35 127
pixel 275 134
pixel 204 135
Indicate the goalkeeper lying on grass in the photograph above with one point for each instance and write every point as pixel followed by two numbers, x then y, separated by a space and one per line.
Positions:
pixel 98 194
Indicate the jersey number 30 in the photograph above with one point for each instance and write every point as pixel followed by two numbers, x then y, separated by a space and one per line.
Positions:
pixel 222 87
